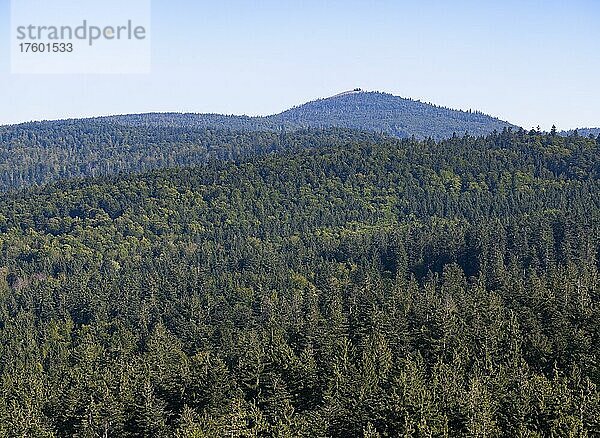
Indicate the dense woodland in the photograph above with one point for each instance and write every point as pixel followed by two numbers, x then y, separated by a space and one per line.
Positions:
pixel 41 152
pixel 343 287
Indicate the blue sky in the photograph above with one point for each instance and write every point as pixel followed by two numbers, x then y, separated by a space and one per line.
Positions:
pixel 528 62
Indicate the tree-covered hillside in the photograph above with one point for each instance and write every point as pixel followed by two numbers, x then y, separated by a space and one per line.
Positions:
pixel 343 288
pixel 385 113
pixel 367 111
pixel 38 153
pixel 585 132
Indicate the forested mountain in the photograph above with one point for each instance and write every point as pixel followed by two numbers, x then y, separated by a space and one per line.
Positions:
pixel 342 288
pixel 367 111
pixel 385 113
pixel 39 152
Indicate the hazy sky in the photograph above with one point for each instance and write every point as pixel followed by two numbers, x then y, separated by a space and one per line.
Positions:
pixel 528 62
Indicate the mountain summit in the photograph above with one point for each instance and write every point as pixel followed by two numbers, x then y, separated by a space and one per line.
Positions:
pixel 386 113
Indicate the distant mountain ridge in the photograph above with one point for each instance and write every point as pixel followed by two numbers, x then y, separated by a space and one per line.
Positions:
pixel 585 132
pixel 356 109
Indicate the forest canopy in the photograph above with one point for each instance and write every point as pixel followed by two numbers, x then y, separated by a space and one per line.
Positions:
pixel 348 285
